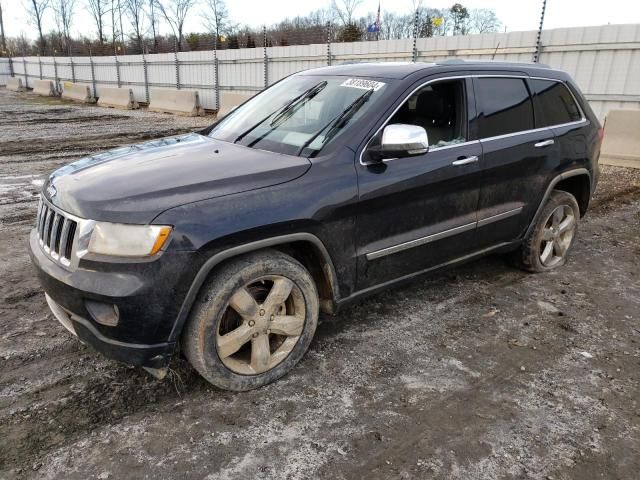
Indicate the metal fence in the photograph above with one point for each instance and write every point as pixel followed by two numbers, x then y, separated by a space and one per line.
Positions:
pixel 604 60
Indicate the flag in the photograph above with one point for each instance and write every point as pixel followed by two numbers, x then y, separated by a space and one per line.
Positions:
pixel 375 26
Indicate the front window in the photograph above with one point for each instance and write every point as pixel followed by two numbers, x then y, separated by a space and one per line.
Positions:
pixel 440 109
pixel 300 115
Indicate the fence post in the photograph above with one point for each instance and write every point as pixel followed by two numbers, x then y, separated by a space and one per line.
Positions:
pixel 536 55
pixel 146 77
pixel 216 77
pixel 177 62
pixel 328 43
pixel 55 73
pixel 11 72
pixel 266 59
pixel 117 70
pixel 73 70
pixel 93 75
pixel 415 38
pixel 40 65
pixel 26 80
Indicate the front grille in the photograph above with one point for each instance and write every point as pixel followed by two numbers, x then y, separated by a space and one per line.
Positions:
pixel 56 232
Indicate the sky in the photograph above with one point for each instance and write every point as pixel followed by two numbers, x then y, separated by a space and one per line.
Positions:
pixel 516 15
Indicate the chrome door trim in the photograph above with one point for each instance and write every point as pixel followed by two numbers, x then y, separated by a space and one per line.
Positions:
pixel 383 252
pixel 499 216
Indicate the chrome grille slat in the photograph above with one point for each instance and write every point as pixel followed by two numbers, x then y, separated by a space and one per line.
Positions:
pixel 56 233
pixel 43 215
pixel 47 229
pixel 64 234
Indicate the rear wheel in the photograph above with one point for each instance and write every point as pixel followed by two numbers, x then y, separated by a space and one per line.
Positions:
pixel 548 244
pixel 253 321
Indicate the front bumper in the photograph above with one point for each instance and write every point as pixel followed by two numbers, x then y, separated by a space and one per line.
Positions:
pixel 146 295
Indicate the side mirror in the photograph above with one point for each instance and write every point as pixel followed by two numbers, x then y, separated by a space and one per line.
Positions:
pixel 400 140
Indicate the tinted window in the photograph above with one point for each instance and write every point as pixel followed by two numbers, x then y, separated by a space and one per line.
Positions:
pixel 504 106
pixel 554 103
pixel 440 109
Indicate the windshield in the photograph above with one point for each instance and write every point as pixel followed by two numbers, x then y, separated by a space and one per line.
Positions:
pixel 300 115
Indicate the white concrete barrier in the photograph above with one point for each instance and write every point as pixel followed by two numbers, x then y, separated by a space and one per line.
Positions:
pixel 77 92
pixel 117 98
pixel 44 88
pixel 15 84
pixel 230 100
pixel 181 102
pixel 621 144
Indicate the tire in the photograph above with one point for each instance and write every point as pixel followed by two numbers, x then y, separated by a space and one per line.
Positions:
pixel 246 350
pixel 533 255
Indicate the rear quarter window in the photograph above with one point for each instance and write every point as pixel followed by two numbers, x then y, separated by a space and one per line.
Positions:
pixel 504 106
pixel 554 103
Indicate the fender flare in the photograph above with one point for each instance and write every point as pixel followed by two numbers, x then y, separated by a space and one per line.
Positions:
pixel 553 183
pixel 219 257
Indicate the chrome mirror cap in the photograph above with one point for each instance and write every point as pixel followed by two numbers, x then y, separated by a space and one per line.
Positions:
pixel 402 140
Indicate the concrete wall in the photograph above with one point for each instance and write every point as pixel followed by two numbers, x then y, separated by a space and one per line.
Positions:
pixel 604 60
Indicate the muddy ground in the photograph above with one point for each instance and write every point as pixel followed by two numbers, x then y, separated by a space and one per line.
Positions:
pixel 480 372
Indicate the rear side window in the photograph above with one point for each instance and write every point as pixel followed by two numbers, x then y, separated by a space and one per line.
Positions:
pixel 554 103
pixel 504 106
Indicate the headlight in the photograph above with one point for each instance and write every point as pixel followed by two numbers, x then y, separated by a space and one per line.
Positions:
pixel 127 240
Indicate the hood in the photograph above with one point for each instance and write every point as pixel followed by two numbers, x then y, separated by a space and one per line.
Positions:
pixel 134 184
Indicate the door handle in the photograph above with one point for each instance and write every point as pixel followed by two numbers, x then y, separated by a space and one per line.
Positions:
pixel 544 143
pixel 464 161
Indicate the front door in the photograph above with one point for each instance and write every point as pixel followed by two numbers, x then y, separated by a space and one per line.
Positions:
pixel 419 212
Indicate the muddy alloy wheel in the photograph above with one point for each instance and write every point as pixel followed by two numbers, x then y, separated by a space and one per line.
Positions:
pixel 557 235
pixel 253 321
pixel 266 316
pixel 548 243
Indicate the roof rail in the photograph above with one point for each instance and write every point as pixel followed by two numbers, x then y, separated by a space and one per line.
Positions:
pixel 459 61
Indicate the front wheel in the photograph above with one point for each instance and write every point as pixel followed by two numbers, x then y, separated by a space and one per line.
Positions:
pixel 253 321
pixel 548 244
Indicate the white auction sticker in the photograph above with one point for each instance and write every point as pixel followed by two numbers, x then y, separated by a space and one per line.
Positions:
pixel 363 84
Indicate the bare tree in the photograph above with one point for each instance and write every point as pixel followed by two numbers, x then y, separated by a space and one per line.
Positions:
pixel 345 10
pixel 460 18
pixel 115 33
pixel 135 9
pixel 63 12
pixel 153 20
pixel 484 20
pixel 35 11
pixel 3 40
pixel 121 29
pixel 175 12
pixel 99 9
pixel 2 36
pixel 216 17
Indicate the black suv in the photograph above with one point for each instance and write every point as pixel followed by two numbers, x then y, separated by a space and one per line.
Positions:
pixel 330 185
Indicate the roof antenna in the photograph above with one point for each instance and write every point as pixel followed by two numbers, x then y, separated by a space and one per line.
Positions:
pixel 495 51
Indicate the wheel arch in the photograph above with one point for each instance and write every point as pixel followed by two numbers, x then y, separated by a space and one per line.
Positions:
pixel 304 247
pixel 566 181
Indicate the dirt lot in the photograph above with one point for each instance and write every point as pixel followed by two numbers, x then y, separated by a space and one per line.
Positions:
pixel 480 372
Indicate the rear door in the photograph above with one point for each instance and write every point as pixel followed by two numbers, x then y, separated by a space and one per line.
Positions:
pixel 516 157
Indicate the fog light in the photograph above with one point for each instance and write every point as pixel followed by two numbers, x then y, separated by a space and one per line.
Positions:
pixel 103 313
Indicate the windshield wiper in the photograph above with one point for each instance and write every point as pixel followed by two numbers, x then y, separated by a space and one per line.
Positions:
pixel 292 107
pixel 289 110
pixel 338 122
pixel 306 95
